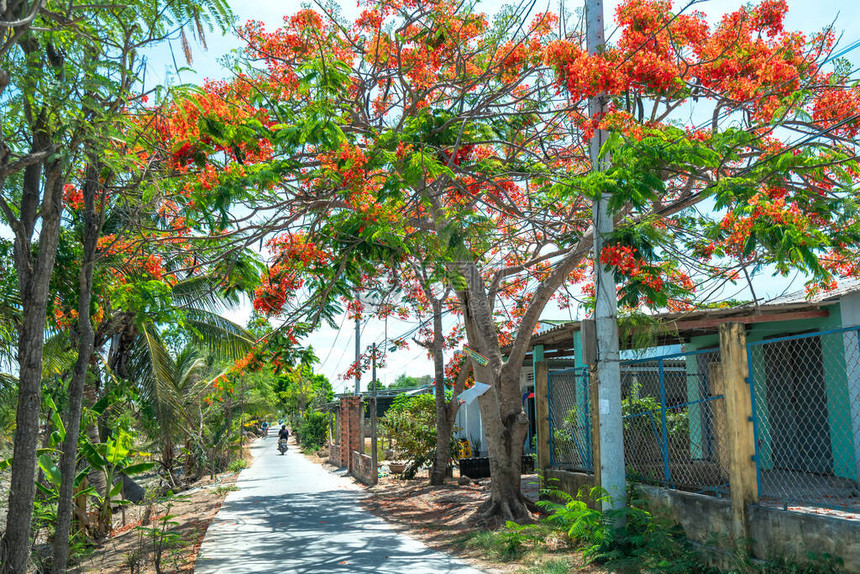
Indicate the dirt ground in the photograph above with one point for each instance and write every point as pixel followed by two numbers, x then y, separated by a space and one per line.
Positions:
pixel 443 517
pixel 129 550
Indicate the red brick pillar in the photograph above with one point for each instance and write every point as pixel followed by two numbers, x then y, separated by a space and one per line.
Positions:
pixel 353 431
pixel 343 433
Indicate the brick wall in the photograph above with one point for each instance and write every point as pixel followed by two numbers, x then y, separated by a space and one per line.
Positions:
pixel 349 432
pixel 362 465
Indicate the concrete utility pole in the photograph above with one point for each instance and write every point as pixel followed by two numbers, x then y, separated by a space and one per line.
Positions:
pixel 357 355
pixel 373 425
pixel 611 435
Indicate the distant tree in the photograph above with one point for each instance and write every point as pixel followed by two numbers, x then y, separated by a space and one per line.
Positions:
pixel 301 391
pixel 404 381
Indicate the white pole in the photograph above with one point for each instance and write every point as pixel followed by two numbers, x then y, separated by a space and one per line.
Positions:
pixel 374 478
pixel 611 434
pixel 357 355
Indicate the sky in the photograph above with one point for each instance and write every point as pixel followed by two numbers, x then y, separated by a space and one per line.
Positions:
pixel 335 347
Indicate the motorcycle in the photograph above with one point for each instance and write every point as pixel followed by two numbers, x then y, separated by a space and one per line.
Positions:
pixel 282 445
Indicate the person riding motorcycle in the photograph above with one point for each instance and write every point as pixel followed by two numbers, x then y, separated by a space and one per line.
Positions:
pixel 283 435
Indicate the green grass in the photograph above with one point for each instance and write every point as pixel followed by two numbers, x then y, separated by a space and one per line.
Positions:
pixel 551 566
pixel 508 544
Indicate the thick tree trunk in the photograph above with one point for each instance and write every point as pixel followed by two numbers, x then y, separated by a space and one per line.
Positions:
pixel 505 424
pixel 506 433
pixel 34 275
pixel 86 342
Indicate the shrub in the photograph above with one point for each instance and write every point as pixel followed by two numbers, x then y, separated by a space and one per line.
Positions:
pixel 644 543
pixel 313 430
pixel 410 424
pixel 238 465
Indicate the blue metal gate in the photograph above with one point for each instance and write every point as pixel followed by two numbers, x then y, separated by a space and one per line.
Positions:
pixel 805 393
pixel 672 431
pixel 569 420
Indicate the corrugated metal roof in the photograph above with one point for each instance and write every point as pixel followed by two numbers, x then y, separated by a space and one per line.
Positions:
pixel 789 302
pixel 844 288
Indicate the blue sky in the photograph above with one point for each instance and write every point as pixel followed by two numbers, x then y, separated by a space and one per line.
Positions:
pixel 335 348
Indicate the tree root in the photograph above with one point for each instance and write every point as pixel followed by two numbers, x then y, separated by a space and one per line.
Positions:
pixel 498 512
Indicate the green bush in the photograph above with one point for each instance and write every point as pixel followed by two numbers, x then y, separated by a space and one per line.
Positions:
pixel 238 465
pixel 313 430
pixel 410 424
pixel 644 543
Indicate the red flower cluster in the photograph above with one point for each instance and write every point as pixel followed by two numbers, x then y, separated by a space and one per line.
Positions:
pixel 73 197
pixel 134 253
pixel 622 258
pixel 293 256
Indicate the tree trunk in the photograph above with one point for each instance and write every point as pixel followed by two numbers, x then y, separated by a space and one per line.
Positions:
pixel 167 460
pixel 96 477
pixel 34 275
pixel 86 341
pixel 444 424
pixel 502 417
pixel 444 428
pixel 506 433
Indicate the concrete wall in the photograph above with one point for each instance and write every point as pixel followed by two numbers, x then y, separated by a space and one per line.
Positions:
pixel 796 534
pixel 570 482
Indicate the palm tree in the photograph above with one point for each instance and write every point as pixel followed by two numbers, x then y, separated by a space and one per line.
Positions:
pixel 171 390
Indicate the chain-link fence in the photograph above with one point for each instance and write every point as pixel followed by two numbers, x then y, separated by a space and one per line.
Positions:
pixel 673 432
pixel 806 412
pixel 569 420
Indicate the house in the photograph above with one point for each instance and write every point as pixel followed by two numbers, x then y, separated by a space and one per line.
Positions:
pixel 804 366
pixel 782 459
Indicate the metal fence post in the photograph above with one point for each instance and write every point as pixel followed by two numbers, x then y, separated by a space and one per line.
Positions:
pixel 542 414
pixel 595 425
pixel 664 448
pixel 739 426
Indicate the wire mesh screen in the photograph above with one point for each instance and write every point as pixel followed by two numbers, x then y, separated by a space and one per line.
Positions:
pixel 806 407
pixel 570 420
pixel 674 423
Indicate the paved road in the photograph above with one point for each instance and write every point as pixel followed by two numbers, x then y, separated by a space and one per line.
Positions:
pixel 290 515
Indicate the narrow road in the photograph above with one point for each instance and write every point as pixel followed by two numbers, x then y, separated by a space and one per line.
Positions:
pixel 290 515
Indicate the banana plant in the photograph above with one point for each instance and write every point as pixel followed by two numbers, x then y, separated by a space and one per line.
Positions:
pixel 115 458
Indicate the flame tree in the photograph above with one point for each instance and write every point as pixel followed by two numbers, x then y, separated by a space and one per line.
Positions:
pixel 422 132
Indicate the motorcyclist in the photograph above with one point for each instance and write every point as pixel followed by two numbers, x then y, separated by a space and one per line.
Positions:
pixel 283 434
